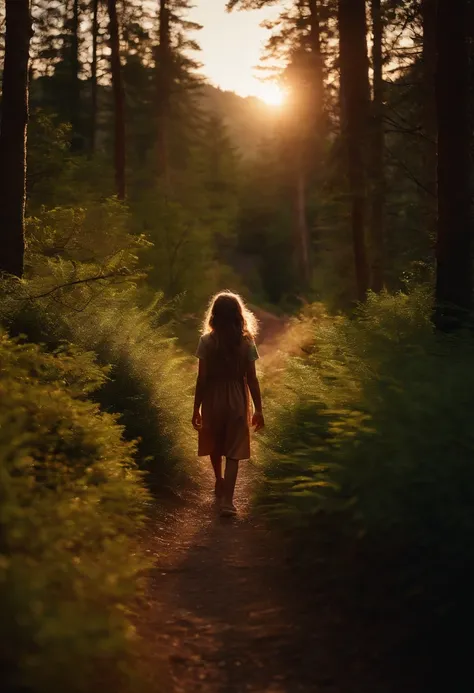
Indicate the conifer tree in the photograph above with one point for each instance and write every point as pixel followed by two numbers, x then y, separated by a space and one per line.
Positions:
pixel 13 134
pixel 355 106
pixel 118 99
pixel 377 172
pixel 454 242
pixel 297 36
pixel 94 82
pixel 175 78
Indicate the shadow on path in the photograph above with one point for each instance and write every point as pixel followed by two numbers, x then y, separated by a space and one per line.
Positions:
pixel 226 614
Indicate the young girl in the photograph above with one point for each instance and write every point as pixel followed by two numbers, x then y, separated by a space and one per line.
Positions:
pixel 227 355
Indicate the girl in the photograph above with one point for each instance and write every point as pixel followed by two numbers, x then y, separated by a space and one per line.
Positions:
pixel 227 355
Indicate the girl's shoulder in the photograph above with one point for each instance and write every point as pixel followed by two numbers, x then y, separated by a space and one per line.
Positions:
pixel 206 342
pixel 250 347
pixel 206 338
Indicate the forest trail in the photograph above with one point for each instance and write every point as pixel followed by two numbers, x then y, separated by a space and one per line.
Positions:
pixel 218 617
pixel 226 612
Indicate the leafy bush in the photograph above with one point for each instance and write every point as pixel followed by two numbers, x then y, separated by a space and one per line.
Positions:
pixel 84 290
pixel 71 502
pixel 374 428
pixel 95 238
pixel 150 383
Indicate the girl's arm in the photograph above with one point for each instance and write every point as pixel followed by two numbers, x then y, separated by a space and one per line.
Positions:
pixel 199 394
pixel 254 387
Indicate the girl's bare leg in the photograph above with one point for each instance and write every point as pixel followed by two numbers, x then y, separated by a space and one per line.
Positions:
pixel 216 461
pixel 230 478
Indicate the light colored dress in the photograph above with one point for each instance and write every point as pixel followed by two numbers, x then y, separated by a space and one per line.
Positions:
pixel 226 413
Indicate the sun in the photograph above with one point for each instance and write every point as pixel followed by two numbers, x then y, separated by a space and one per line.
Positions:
pixel 271 94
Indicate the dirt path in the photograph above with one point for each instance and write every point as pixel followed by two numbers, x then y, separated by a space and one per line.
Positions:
pixel 217 619
pixel 227 613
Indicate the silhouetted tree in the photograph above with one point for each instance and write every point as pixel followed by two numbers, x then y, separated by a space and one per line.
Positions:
pixel 355 108
pixel 13 133
pixel 377 221
pixel 297 36
pixel 428 18
pixel 118 95
pixel 164 81
pixel 175 81
pixel 75 67
pixel 94 39
pixel 317 60
pixel 453 252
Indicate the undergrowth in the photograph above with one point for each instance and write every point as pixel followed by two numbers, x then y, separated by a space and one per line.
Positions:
pixel 84 287
pixel 72 500
pixel 94 403
pixel 371 435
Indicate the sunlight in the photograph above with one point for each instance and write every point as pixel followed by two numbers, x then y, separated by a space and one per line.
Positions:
pixel 271 94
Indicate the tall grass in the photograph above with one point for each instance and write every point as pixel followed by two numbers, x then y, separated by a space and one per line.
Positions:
pixel 371 431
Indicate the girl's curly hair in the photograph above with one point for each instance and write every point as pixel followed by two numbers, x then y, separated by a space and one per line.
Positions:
pixel 229 318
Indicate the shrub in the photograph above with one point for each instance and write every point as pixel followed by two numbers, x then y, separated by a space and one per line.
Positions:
pixel 149 384
pixel 71 502
pixel 374 429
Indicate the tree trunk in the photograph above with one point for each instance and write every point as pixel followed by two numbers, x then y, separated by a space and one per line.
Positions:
pixel 75 67
pixel 428 15
pixel 119 105
pixel 303 260
pixel 95 36
pixel 453 252
pixel 163 87
pixel 315 42
pixel 355 109
pixel 13 132
pixel 377 222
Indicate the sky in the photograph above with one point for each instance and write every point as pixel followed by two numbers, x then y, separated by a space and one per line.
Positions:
pixel 231 47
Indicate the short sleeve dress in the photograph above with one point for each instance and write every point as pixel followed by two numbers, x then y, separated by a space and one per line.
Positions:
pixel 226 413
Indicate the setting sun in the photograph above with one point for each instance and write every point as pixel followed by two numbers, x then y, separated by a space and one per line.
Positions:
pixel 271 94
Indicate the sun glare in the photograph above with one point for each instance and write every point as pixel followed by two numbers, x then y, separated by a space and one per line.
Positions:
pixel 271 94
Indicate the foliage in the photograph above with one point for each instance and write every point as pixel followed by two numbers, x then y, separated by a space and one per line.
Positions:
pixel 150 383
pixel 97 236
pixel 82 263
pixel 72 501
pixel 369 416
pixel 48 154
pixel 373 428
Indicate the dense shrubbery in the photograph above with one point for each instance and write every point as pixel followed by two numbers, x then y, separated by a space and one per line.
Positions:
pixel 83 264
pixel 374 428
pixel 103 396
pixel 149 383
pixel 71 502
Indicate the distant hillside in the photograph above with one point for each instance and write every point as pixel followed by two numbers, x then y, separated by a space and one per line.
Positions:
pixel 248 119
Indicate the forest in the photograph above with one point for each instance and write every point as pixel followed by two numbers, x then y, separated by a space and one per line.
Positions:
pixel 131 190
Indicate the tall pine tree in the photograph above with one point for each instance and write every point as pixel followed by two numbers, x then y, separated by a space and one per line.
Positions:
pixel 454 244
pixel 13 134
pixel 118 100
pixel 355 108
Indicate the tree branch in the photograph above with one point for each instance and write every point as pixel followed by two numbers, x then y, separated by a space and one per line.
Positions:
pixel 402 165
pixel 76 282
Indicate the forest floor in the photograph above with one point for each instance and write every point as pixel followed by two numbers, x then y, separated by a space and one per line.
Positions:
pixel 228 611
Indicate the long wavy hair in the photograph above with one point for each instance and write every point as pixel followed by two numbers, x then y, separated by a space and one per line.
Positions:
pixel 229 319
